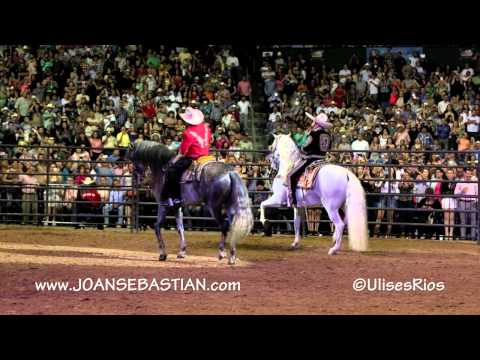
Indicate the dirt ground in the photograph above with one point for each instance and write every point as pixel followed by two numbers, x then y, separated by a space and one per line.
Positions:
pixel 273 280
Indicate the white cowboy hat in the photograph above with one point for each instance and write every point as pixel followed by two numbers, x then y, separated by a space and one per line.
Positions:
pixel 192 116
pixel 320 120
pixel 88 181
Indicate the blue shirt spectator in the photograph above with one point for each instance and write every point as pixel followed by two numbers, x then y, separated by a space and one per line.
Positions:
pixel 443 131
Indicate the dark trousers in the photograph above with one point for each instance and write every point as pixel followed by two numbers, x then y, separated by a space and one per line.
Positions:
pixel 405 216
pixel 174 175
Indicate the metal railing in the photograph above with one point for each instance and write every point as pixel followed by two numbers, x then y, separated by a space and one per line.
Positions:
pixel 138 209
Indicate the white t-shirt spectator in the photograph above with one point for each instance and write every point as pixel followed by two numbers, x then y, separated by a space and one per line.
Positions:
pixel 268 74
pixel 360 145
pixel 273 116
pixel 172 97
pixel 373 86
pixel 279 61
pixel 303 74
pixel 473 127
pixel 466 74
pixel 413 61
pixel 173 107
pixel 232 61
pixel 151 83
pixel 442 106
pixel 244 106
pixel 344 74
pixel 116 101
pixel 365 74
pixel 108 121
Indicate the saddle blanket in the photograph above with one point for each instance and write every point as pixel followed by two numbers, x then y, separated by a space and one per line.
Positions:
pixel 195 170
pixel 308 177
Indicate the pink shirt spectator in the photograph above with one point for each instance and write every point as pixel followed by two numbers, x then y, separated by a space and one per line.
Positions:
pixel 467 189
pixel 402 136
pixel 29 183
pixel 117 171
pixel 244 88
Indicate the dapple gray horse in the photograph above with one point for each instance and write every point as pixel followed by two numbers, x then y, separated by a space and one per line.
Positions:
pixel 220 188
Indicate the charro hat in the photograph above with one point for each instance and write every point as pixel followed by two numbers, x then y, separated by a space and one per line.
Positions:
pixel 320 120
pixel 192 116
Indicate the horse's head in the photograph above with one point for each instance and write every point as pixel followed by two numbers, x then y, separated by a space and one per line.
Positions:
pixel 275 156
pixel 272 156
pixel 130 154
pixel 138 166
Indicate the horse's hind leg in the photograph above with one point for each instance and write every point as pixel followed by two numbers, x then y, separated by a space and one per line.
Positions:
pixel 297 220
pixel 339 224
pixel 181 232
pixel 224 223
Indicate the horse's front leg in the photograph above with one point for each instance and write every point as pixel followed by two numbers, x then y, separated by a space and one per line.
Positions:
pixel 275 200
pixel 183 244
pixel 158 233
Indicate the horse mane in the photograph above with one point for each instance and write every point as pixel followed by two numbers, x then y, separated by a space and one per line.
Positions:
pixel 288 152
pixel 151 153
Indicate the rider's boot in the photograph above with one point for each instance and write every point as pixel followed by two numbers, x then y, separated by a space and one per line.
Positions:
pixel 290 198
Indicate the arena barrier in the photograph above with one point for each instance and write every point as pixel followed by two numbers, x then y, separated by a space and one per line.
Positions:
pixel 137 210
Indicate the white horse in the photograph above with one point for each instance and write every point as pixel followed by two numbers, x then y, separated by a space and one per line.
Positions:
pixel 334 187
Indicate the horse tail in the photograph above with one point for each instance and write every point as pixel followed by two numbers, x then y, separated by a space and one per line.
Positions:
pixel 239 210
pixel 356 211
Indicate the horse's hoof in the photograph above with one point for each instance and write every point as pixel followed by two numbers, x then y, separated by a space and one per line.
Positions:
pixel 162 257
pixel 332 252
pixel 181 256
pixel 221 256
pixel 231 261
pixel 294 247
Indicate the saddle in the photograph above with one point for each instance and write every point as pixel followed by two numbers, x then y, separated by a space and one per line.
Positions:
pixel 194 171
pixel 308 177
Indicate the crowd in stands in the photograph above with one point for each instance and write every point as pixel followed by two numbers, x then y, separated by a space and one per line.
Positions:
pixel 92 102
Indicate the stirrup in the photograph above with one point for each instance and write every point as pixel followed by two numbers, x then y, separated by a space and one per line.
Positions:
pixel 173 202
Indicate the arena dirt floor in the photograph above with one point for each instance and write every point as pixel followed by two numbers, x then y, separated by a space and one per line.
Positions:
pixel 272 279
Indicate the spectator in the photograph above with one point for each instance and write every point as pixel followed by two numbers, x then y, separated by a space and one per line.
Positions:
pixel 449 204
pixel 69 197
pixel 443 134
pixel 81 175
pixel 245 107
pixel 116 202
pixel 123 138
pixel 402 136
pixel 54 196
pixel 426 138
pixel 109 141
pixel 404 202
pixel 96 146
pixel 430 215
pixel 467 202
pixel 473 123
pixel 245 88
pixel 29 184
pixel 104 193
pixel 88 202
pixel 360 144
